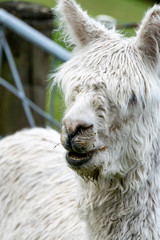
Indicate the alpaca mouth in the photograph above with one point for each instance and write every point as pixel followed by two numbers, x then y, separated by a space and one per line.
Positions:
pixel 78 159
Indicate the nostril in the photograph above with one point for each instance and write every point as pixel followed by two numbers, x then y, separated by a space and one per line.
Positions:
pixel 76 127
pixel 76 135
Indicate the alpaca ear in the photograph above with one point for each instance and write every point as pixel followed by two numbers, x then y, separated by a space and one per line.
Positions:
pixel 148 35
pixel 81 29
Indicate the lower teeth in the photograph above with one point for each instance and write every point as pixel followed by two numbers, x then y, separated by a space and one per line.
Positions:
pixel 77 156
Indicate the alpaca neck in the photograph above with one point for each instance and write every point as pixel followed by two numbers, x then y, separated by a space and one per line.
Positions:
pixel 117 214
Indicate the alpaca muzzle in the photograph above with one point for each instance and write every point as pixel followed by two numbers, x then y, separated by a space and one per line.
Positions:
pixel 79 139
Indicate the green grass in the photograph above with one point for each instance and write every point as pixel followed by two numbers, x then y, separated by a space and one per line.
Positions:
pixel 122 10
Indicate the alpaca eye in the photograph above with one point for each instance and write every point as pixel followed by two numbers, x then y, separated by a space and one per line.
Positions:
pixel 133 99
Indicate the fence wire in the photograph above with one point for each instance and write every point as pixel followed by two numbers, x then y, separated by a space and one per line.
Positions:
pixel 33 36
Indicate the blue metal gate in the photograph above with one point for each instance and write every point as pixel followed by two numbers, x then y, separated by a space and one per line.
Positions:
pixel 33 36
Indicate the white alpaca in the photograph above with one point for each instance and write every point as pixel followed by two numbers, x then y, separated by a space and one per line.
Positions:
pixel 111 133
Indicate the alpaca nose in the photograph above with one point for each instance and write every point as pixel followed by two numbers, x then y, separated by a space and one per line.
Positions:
pixel 75 134
pixel 75 127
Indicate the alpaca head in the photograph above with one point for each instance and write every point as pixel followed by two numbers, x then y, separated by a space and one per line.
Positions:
pixel 111 89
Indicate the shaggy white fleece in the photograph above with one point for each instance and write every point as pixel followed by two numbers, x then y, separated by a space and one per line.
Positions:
pixel 37 189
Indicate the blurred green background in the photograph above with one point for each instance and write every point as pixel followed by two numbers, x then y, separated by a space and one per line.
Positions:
pixel 122 10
